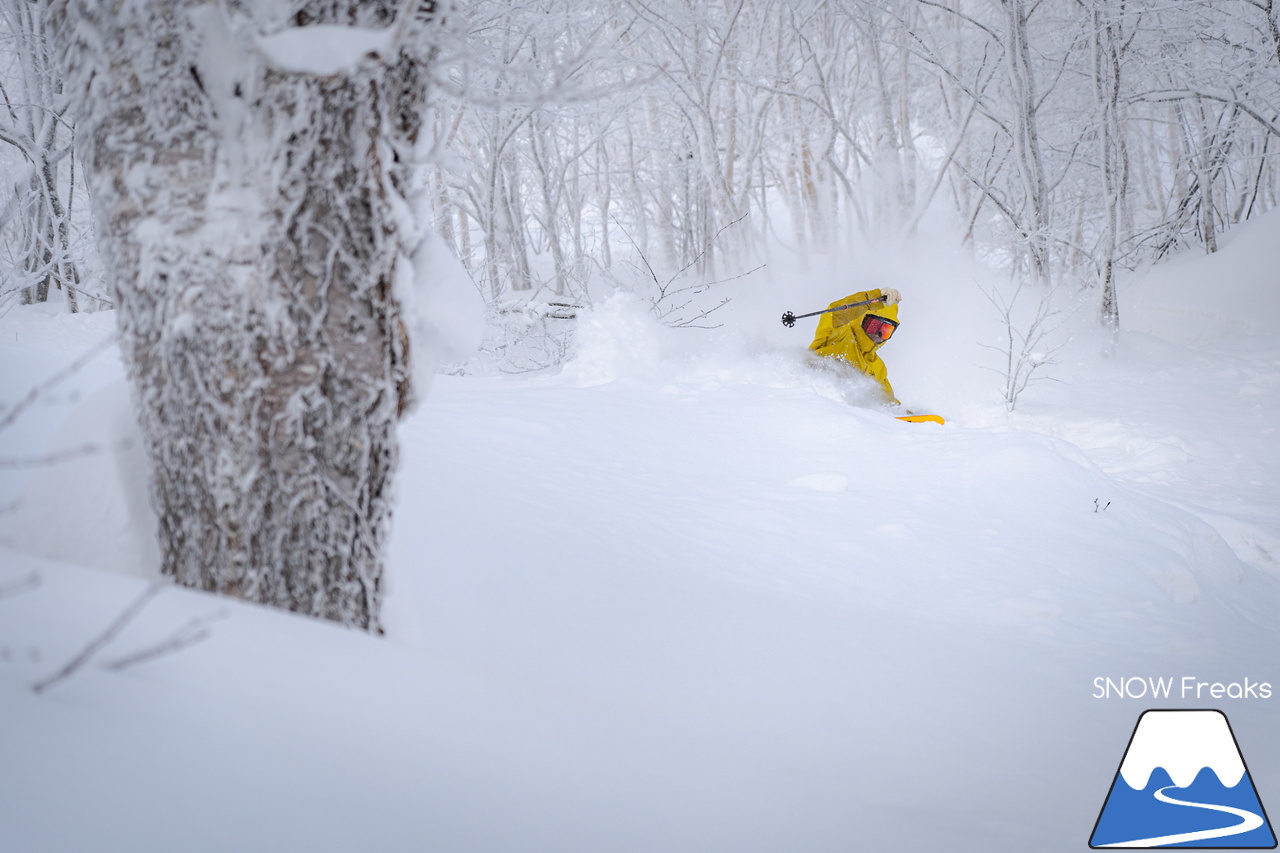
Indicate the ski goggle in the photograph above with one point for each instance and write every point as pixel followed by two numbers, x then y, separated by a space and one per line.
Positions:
pixel 879 329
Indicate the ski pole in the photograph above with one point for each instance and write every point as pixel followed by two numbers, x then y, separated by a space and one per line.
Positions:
pixel 789 319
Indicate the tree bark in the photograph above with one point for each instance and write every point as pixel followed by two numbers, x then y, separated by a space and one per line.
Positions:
pixel 1026 138
pixel 245 216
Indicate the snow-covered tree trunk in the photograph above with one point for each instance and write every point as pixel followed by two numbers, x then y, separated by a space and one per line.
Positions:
pixel 245 191
pixel 1112 156
pixel 1027 154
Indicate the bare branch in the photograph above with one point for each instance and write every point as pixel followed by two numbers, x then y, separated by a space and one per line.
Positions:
pixel 58 457
pixel 15 411
pixel 94 646
pixel 195 630
pixel 26 583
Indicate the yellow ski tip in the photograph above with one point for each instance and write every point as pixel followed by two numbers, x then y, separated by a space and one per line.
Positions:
pixel 919 419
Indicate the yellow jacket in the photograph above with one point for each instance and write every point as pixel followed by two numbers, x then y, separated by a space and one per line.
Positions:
pixel 840 335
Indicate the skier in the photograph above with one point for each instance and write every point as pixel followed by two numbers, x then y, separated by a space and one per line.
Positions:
pixel 854 334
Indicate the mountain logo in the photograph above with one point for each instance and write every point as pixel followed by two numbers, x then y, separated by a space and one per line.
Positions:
pixel 1183 783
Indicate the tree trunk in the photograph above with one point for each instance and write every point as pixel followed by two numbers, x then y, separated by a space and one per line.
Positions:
pixel 244 212
pixel 1026 138
pixel 1112 158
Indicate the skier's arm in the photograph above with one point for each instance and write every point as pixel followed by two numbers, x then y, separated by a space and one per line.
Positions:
pixel 851 315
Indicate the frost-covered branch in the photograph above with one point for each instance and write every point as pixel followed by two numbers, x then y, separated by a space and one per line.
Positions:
pixel 1026 347
pixel 39 236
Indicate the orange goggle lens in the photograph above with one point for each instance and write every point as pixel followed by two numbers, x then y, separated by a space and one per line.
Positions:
pixel 879 329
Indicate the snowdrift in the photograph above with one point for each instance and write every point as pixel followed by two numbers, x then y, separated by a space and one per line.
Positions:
pixel 1206 299
pixel 690 593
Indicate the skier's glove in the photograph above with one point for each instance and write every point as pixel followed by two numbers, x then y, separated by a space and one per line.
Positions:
pixel 891 296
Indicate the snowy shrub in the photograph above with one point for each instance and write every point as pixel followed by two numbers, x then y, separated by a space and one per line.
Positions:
pixel 1028 341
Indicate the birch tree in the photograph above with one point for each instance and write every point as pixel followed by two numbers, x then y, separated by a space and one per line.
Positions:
pixel 43 251
pixel 247 165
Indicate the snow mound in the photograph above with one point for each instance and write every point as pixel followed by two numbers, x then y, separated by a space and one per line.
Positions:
pixel 822 482
pixel 691 593
pixel 443 312
pixel 618 338
pixel 324 49
pixel 1204 299
pixel 91 509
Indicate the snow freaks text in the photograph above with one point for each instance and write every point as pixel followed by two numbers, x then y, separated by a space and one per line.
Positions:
pixel 1186 687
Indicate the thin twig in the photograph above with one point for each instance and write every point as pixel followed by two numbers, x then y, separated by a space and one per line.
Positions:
pixel 194 631
pixel 16 410
pixel 125 617
pixel 60 456
pixel 25 584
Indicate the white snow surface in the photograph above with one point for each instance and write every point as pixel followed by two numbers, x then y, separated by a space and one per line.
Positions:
pixel 691 593
pixel 1183 743
pixel 1207 299
pixel 324 49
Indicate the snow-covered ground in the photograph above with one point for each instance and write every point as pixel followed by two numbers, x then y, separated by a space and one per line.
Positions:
pixel 687 594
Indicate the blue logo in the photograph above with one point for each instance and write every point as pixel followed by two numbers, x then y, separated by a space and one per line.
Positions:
pixel 1183 783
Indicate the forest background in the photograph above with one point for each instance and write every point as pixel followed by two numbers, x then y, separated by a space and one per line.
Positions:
pixel 673 148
